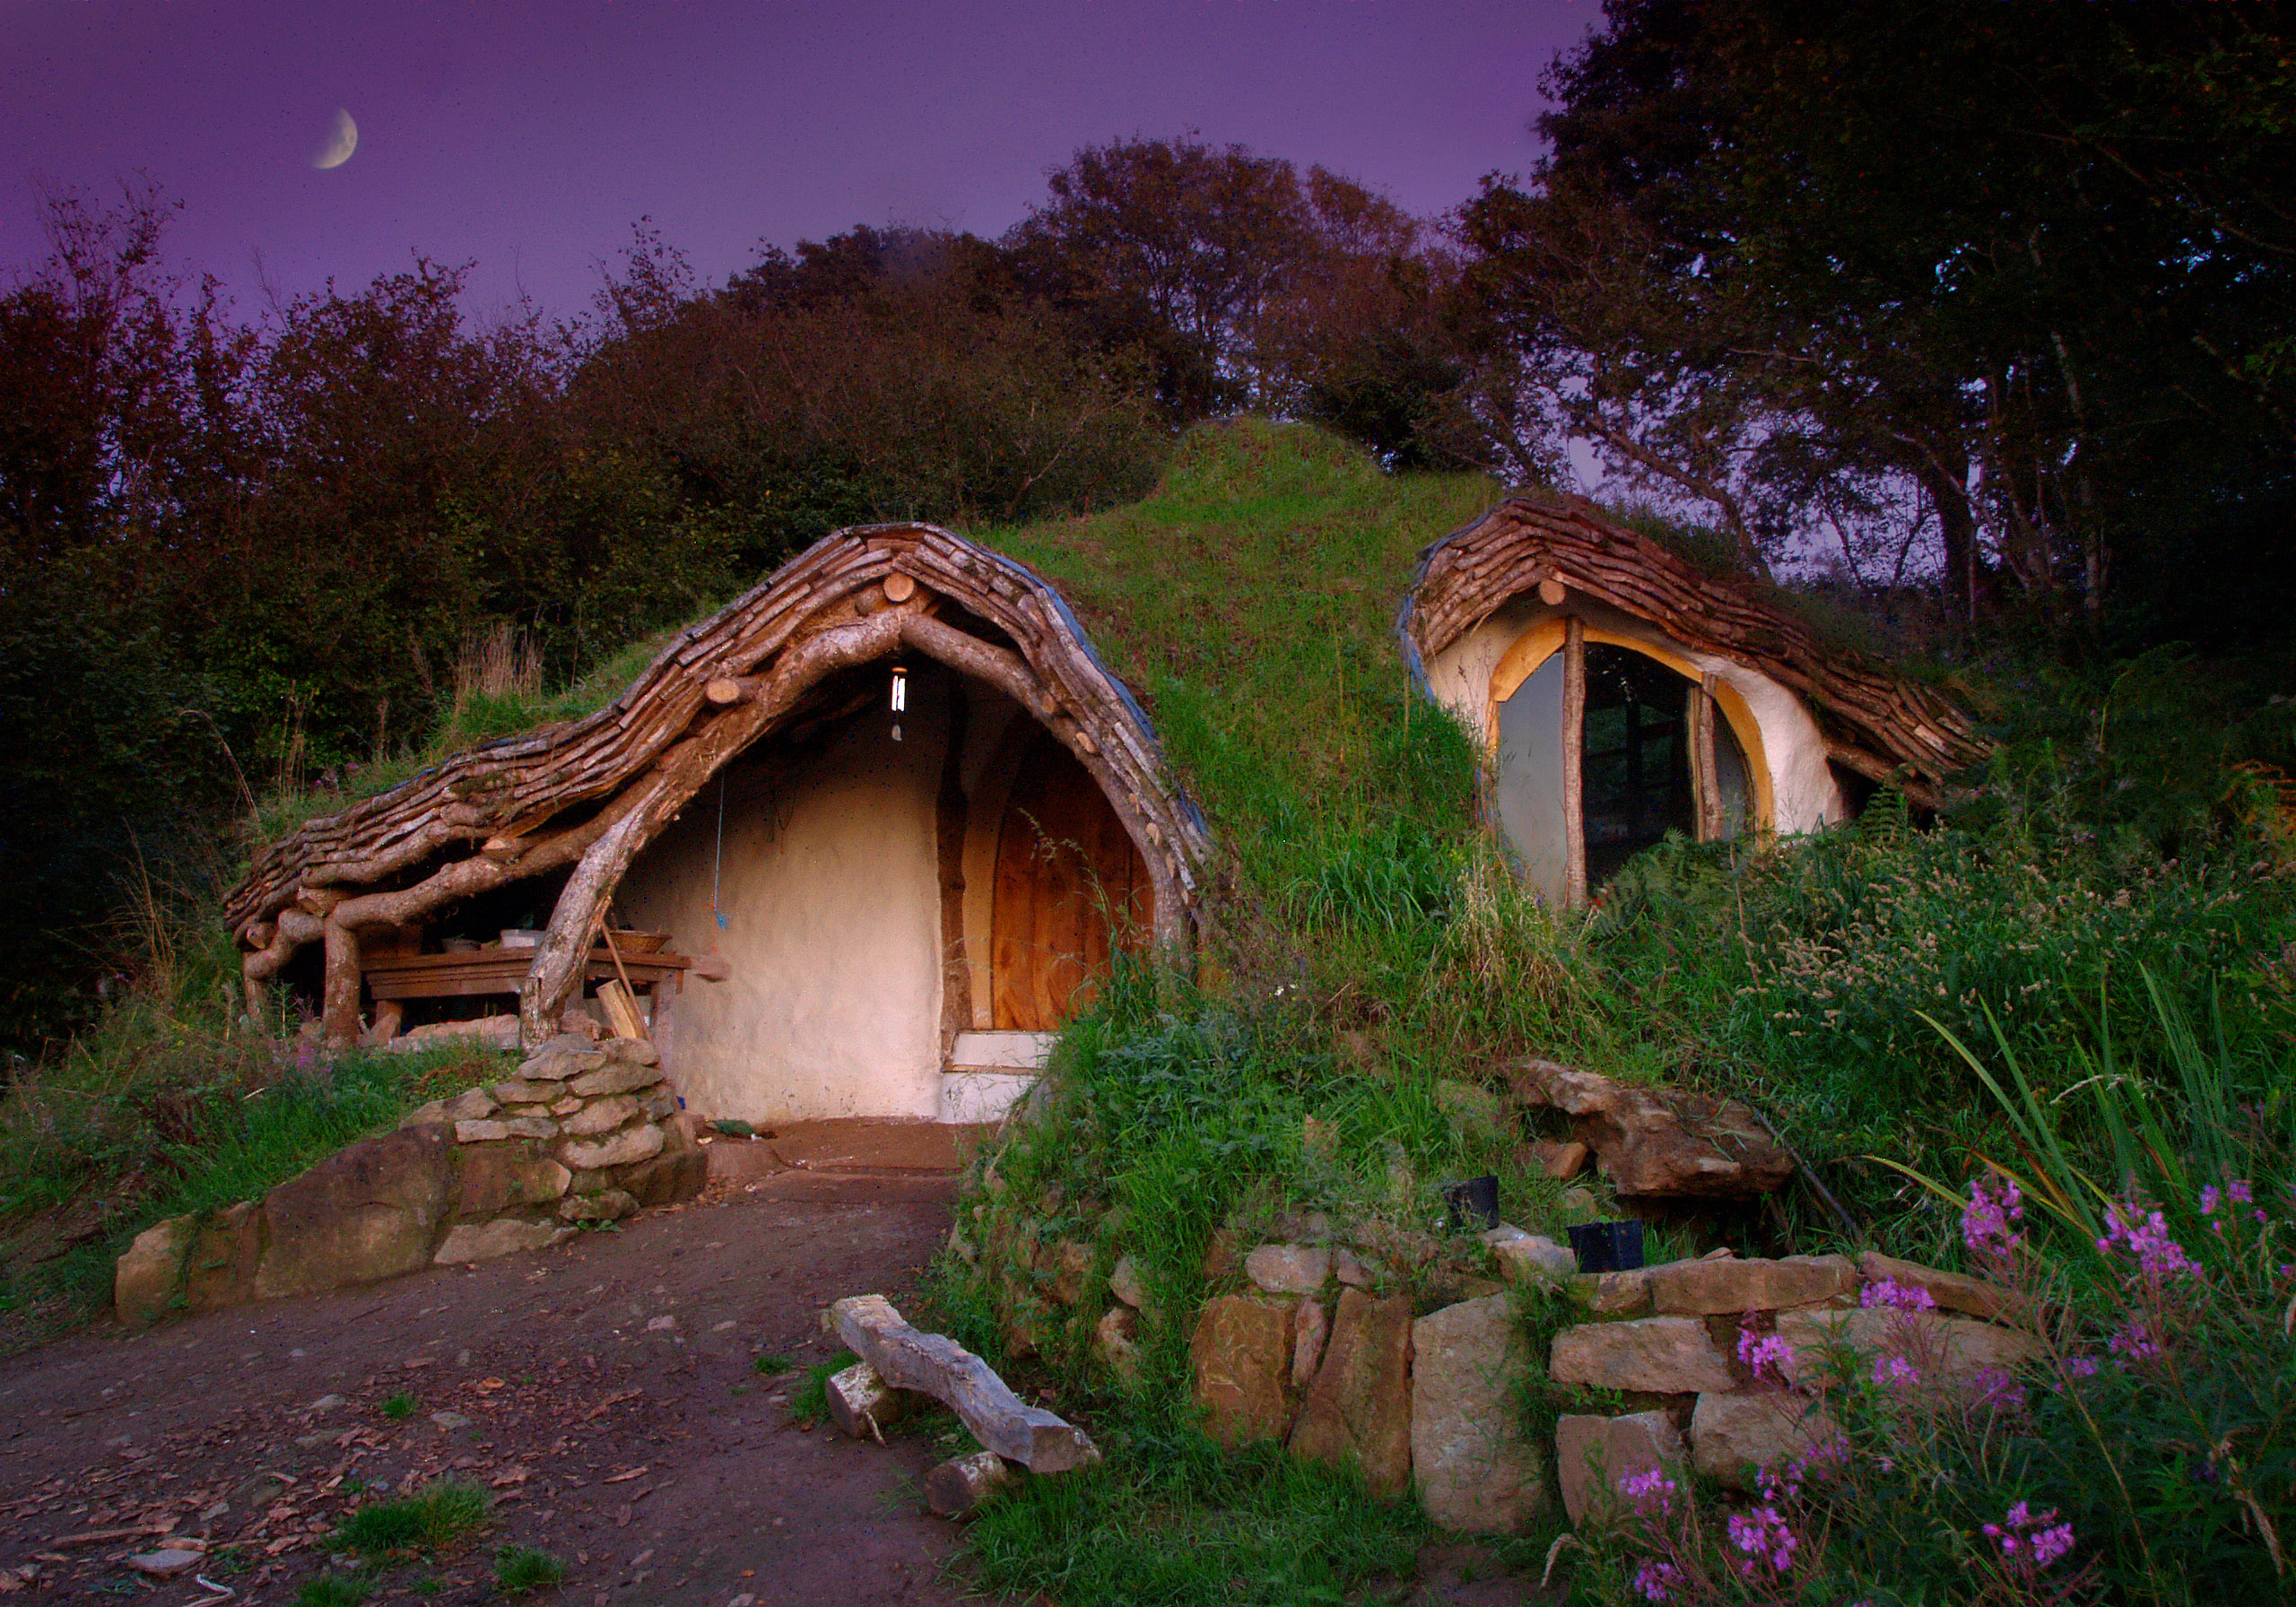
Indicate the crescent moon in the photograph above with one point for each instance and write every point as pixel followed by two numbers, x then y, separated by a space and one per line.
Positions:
pixel 339 144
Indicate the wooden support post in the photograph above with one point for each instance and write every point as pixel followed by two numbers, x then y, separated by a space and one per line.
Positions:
pixel 1705 780
pixel 1574 763
pixel 939 1367
pixel 339 999
pixel 861 1404
pixel 957 1486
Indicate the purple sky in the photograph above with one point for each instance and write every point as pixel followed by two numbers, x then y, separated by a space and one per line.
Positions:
pixel 528 136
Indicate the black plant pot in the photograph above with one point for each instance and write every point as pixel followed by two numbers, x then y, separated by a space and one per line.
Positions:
pixel 1607 1246
pixel 1473 1204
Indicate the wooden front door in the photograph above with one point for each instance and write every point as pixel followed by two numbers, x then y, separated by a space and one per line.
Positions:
pixel 1071 889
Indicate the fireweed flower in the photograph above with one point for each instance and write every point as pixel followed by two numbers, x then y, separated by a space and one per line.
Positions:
pixel 1641 1488
pixel 2146 1237
pixel 1762 1352
pixel 1993 1205
pixel 1895 1372
pixel 2030 1542
pixel 2134 1342
pixel 1657 1581
pixel 1896 1297
pixel 1764 1538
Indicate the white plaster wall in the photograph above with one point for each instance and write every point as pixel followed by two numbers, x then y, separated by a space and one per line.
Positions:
pixel 1805 794
pixel 831 886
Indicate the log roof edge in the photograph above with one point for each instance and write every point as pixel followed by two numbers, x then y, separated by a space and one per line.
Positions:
pixel 1876 720
pixel 516 785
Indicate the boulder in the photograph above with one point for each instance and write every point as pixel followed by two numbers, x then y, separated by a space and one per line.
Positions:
pixel 559 1058
pixel 1288 1269
pixel 1530 1257
pixel 1612 1294
pixel 625 1148
pixel 1559 1161
pixel 1310 1328
pixel 612 1205
pixel 225 1255
pixel 1115 1340
pixel 634 1051
pixel 472 1105
pixel 495 1132
pixel 1477 1472
pixel 1664 1355
pixel 679 1172
pixel 1952 1292
pixel 374 1209
pixel 614 1077
pixel 1358 1408
pixel 1527 1083
pixel 1720 1288
pixel 1124 1283
pixel 1070 1265
pixel 146 1280
pixel 1593 1454
pixel 504 1236
pixel 1472 1109
pixel 1955 1351
pixel 496 1177
pixel 1666 1144
pixel 1732 1436
pixel 601 1116
pixel 1241 1352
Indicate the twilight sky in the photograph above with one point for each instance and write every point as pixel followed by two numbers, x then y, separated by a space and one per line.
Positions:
pixel 528 134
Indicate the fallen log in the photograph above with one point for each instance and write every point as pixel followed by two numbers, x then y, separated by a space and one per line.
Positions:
pixel 935 1365
pixel 861 1404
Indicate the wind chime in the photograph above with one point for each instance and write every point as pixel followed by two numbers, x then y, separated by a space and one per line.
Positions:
pixel 899 697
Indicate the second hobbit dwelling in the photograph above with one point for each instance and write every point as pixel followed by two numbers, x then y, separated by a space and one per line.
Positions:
pixel 854 846
pixel 1621 694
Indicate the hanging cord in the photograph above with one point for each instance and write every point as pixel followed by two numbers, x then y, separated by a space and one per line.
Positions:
pixel 716 870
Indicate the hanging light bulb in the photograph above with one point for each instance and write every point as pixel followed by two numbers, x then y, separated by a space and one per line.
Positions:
pixel 900 697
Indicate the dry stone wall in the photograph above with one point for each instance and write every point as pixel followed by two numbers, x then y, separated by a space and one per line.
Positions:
pixel 584 1133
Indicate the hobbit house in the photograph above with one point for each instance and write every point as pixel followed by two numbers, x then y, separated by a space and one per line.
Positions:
pixel 854 846
pixel 1621 694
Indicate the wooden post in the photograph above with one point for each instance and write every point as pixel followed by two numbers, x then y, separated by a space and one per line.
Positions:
pixel 1704 778
pixel 1574 757
pixel 861 1404
pixel 339 1000
pixel 958 1486
pixel 934 1364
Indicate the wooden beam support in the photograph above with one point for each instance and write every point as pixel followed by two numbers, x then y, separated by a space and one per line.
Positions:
pixel 1574 763
pixel 935 1365
pixel 1706 780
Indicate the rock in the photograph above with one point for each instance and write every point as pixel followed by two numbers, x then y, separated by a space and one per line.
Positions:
pixel 328 1403
pixel 1975 1297
pixel 601 1116
pixel 524 1090
pixel 1115 1339
pixel 660 1103
pixel 614 1205
pixel 632 1051
pixel 1664 1355
pixel 1559 1161
pixel 471 1106
pixel 1530 1256
pixel 495 1180
pixel 1527 1083
pixel 448 1422
pixel 225 1256
pixel 484 1241
pixel 1358 1407
pixel 494 1131
pixel 372 1209
pixel 1593 1454
pixel 680 1171
pixel 1957 1350
pixel 1477 1472
pixel 147 1279
pixel 1671 1144
pixel 535 1112
pixel 1125 1284
pixel 1071 1265
pixel 860 1404
pixel 167 1562
pixel 1471 1109
pixel 629 1145
pixel 615 1077
pixel 1612 1294
pixel 1288 1269
pixel 1720 1288
pixel 566 1107
pixel 661 1325
pixel 957 1486
pixel 559 1058
pixel 1349 1270
pixel 1579 1205
pixel 1734 1434
pixel 1309 1328
pixel 1241 1353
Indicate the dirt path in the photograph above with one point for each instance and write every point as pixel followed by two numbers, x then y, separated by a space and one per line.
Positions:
pixel 604 1391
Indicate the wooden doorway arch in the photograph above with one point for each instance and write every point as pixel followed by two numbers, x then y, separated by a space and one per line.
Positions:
pixel 1071 890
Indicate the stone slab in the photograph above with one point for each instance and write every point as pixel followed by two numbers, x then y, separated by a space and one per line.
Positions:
pixel 373 1210
pixel 1664 1355
pixel 1734 1436
pixel 625 1148
pixel 1477 1473
pixel 1593 1454
pixel 1727 1288
pixel 1242 1357
pixel 467 1242
pixel 1288 1269
pixel 1358 1408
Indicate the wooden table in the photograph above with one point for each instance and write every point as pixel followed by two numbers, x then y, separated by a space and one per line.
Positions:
pixel 489 971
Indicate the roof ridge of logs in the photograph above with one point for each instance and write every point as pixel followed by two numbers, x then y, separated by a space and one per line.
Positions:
pixel 590 793
pixel 1876 722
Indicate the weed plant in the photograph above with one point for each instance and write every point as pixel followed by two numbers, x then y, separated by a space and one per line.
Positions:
pixel 434 1518
pixel 521 1569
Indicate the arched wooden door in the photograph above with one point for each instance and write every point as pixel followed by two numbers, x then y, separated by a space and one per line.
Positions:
pixel 1071 889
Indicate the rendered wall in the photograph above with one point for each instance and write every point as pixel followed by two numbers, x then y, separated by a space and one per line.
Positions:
pixel 830 885
pixel 1804 796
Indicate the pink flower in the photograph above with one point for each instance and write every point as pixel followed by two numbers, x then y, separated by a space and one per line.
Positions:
pixel 1640 1487
pixel 1763 1537
pixel 1762 1352
pixel 2146 1237
pixel 1897 1297
pixel 1657 1581
pixel 2134 1342
pixel 1895 1371
pixel 2030 1542
pixel 1992 1206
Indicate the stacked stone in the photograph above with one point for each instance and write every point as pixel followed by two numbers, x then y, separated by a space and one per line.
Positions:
pixel 1675 1334
pixel 585 1133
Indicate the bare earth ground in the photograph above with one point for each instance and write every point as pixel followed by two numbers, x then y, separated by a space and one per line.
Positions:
pixel 604 1391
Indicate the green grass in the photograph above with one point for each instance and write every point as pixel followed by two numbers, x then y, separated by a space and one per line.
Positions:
pixel 772 1367
pixel 434 1518
pixel 400 1407
pixel 519 1569
pixel 809 1403
pixel 334 1589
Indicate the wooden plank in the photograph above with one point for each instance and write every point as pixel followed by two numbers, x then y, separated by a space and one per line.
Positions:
pixel 1705 780
pixel 1574 746
pixel 935 1365
pixel 622 1009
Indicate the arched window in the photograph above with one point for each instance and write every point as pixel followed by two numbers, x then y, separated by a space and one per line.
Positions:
pixel 1602 750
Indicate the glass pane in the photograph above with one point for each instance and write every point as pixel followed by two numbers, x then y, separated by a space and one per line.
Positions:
pixel 1638 785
